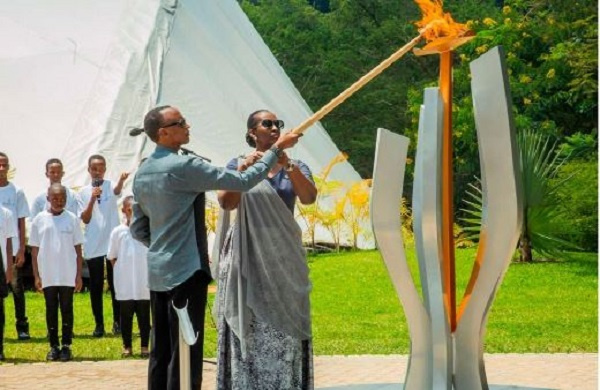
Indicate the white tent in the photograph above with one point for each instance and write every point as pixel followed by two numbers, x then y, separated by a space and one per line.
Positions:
pixel 76 75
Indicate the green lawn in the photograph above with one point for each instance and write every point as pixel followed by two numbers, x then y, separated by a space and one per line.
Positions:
pixel 540 307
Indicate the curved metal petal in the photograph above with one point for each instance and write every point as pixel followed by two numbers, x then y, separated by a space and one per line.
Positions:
pixel 427 224
pixel 502 212
pixel 386 195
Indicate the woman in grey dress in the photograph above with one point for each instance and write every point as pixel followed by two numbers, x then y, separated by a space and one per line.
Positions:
pixel 263 309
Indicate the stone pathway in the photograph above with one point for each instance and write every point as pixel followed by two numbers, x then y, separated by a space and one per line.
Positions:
pixel 366 372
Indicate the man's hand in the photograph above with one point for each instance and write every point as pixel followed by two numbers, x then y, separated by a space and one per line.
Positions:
pixel 287 140
pixel 78 283
pixel 20 259
pixel 38 283
pixel 250 160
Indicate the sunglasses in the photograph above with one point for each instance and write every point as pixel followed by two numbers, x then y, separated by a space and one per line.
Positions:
pixel 268 123
pixel 180 123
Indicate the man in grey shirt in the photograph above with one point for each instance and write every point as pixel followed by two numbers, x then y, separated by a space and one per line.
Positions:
pixel 165 188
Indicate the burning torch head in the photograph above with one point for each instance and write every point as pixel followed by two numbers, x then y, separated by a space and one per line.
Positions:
pixel 439 29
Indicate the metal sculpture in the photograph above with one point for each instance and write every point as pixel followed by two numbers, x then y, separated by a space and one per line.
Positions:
pixel 446 342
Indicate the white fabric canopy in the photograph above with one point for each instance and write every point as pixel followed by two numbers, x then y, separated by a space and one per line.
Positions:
pixel 76 75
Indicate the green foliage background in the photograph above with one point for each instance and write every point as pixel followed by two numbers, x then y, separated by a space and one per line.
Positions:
pixel 551 52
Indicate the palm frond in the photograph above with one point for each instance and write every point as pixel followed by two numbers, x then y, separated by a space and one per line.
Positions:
pixel 540 162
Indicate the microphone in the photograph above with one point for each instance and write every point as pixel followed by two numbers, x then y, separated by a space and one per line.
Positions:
pixel 97 183
pixel 187 151
pixel 136 131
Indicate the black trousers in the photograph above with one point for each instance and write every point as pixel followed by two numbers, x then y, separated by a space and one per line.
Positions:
pixel 163 369
pixel 2 319
pixel 18 290
pixel 59 296
pixel 141 309
pixel 96 268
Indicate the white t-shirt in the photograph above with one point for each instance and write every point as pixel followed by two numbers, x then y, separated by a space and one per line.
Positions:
pixel 56 237
pixel 105 217
pixel 41 203
pixel 13 198
pixel 7 230
pixel 131 269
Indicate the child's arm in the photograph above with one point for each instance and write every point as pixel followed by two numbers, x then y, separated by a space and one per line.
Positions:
pixel 119 185
pixel 36 274
pixel 20 260
pixel 78 281
pixel 9 260
pixel 86 214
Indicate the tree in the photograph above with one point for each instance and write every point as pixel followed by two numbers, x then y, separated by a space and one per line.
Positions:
pixel 551 48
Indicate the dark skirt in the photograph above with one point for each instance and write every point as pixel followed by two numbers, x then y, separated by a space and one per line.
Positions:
pixel 274 360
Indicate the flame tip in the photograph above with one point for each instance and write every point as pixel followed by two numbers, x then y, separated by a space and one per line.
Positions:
pixel 436 23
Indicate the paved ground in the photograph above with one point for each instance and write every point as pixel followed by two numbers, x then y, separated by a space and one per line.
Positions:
pixel 505 371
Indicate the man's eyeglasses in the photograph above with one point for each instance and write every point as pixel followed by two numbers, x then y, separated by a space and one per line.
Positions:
pixel 180 123
pixel 268 123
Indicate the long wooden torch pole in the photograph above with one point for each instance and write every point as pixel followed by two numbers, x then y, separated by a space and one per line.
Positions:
pixel 326 109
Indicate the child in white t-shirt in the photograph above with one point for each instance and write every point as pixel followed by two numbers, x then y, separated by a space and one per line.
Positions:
pixel 55 173
pixel 13 198
pixel 7 233
pixel 55 240
pixel 130 266
pixel 100 214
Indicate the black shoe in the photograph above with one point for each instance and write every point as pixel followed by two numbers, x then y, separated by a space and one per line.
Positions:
pixel 23 335
pixel 116 328
pixel 53 355
pixel 98 332
pixel 65 353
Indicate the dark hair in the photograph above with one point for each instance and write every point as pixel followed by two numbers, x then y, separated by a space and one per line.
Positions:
pixel 96 157
pixel 3 155
pixel 128 198
pixel 54 161
pixel 59 186
pixel 153 122
pixel 251 124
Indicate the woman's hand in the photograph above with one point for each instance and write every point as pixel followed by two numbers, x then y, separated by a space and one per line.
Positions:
pixel 250 160
pixel 287 140
pixel 284 160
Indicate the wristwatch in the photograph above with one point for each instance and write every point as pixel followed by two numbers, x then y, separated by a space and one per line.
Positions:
pixel 290 166
pixel 278 152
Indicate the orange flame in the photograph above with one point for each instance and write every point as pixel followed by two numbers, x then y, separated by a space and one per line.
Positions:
pixel 438 24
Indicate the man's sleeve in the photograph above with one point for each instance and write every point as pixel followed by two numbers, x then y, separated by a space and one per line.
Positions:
pixel 140 225
pixel 202 176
